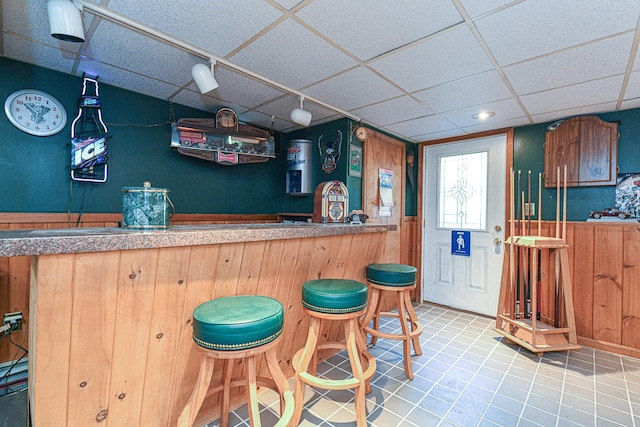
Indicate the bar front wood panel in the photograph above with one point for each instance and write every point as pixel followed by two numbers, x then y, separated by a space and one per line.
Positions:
pixel 112 343
pixel 14 271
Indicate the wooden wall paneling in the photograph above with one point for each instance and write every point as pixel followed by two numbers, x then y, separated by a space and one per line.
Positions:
pixel 320 260
pixel 168 302
pixel 136 286
pixel 54 301
pixel 381 151
pixel 287 291
pixel 607 295
pixel 631 289
pixel 582 278
pixel 200 285
pixel 92 331
pixel 296 275
pixel 250 269
pixel 228 270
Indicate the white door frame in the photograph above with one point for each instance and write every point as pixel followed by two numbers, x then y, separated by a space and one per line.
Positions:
pixel 421 161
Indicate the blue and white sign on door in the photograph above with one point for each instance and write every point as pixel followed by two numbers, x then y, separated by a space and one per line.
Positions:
pixel 460 242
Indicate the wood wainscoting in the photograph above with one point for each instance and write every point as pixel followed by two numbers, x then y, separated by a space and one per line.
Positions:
pixel 15 274
pixel 604 261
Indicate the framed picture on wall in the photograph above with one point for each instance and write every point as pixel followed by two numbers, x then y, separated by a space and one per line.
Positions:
pixel 355 161
pixel 628 194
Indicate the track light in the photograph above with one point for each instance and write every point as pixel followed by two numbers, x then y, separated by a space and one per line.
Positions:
pixel 65 21
pixel 204 77
pixel 300 116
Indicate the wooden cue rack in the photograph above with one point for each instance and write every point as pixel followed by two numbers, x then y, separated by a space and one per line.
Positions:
pixel 517 318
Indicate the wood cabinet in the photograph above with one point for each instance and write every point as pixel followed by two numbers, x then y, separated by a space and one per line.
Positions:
pixel 588 146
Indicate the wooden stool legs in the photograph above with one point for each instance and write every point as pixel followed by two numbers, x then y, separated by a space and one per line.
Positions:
pixel 407 316
pixel 363 365
pixel 251 381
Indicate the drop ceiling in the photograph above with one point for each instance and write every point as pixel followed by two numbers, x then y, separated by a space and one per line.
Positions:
pixel 419 69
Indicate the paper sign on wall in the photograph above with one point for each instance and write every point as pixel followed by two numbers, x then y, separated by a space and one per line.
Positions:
pixel 385 179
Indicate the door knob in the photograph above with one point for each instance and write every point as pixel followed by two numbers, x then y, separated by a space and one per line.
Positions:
pixel 497 228
pixel 497 241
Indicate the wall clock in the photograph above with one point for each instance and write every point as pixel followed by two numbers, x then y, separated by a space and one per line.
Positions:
pixel 35 112
pixel 361 133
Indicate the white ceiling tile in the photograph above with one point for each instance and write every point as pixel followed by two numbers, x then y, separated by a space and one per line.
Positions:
pixel 633 86
pixel 115 44
pixel 431 61
pixel 477 8
pixel 45 56
pixel 432 136
pixel 353 89
pixel 418 126
pixel 234 86
pixel 570 112
pixel 505 110
pixel 482 127
pixel 632 103
pixel 218 27
pixel 126 79
pixel 368 30
pixel 587 62
pixel 477 89
pixel 576 96
pixel 448 56
pixel 288 4
pixel 393 111
pixel 537 27
pixel 195 99
pixel 290 53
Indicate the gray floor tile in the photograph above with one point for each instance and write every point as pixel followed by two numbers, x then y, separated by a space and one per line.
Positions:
pixel 469 376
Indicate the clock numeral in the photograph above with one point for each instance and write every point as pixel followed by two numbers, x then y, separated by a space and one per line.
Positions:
pixel 19 102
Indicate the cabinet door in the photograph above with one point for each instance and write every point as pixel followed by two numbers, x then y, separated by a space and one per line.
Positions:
pixel 598 151
pixel 561 148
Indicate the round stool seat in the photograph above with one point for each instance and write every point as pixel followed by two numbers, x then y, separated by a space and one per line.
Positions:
pixel 334 295
pixel 397 275
pixel 237 322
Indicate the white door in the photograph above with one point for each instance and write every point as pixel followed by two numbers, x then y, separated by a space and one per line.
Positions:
pixel 464 191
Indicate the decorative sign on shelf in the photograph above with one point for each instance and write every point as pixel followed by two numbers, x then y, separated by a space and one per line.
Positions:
pixel 222 140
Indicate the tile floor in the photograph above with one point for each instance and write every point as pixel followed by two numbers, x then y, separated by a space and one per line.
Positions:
pixel 468 376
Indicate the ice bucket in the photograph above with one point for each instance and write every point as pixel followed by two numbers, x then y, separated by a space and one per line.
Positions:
pixel 146 207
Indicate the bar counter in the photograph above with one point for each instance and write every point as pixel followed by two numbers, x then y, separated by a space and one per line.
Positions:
pixel 111 309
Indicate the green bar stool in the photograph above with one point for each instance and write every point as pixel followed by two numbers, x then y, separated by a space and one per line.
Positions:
pixel 238 328
pixel 331 300
pixel 401 279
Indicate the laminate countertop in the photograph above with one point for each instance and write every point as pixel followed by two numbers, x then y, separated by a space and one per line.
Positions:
pixel 78 240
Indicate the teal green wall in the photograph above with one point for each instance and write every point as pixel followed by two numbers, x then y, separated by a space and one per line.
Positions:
pixel 529 155
pixel 34 171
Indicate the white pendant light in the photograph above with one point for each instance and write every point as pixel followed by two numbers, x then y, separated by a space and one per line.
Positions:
pixel 204 77
pixel 65 21
pixel 300 116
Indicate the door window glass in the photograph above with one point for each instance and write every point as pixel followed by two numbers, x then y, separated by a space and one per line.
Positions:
pixel 462 191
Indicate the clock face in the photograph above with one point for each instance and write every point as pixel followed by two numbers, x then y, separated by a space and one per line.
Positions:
pixel 361 133
pixel 227 118
pixel 35 112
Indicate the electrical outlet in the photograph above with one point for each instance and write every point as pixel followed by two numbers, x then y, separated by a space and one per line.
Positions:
pixel 14 320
